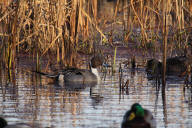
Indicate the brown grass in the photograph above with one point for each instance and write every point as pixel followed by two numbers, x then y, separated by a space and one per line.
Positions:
pixel 41 28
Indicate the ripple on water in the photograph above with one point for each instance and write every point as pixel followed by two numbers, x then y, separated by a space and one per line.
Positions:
pixel 36 101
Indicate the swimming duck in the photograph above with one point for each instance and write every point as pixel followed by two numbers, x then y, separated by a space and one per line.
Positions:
pixel 3 124
pixel 138 117
pixel 80 76
pixel 175 66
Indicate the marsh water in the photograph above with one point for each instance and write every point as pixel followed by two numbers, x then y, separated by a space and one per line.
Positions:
pixel 29 98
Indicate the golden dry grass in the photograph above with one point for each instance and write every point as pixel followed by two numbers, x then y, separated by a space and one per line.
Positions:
pixel 43 27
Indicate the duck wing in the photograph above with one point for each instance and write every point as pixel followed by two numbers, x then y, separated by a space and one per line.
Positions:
pixel 46 74
pixel 70 71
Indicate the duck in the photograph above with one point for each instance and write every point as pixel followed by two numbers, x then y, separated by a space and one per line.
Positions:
pixel 138 117
pixel 79 76
pixel 4 124
pixel 176 66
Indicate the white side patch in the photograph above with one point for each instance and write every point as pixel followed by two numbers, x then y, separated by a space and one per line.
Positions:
pixel 95 71
pixel 61 77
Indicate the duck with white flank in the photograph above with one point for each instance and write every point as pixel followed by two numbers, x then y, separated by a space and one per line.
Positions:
pixel 80 76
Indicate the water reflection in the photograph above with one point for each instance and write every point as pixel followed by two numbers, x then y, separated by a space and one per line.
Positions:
pixel 96 96
pixel 35 100
pixel 187 91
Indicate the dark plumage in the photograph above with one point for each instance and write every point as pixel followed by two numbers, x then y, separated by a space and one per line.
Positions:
pixel 3 122
pixel 175 66
pixel 154 66
pixel 96 61
pixel 138 117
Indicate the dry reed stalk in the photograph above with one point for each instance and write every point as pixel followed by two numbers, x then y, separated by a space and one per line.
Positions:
pixel 90 20
pixel 116 8
pixel 190 6
pixel 14 32
pixel 94 8
pixel 166 5
pixel 125 15
pixel 179 13
pixel 139 20
pixel 53 26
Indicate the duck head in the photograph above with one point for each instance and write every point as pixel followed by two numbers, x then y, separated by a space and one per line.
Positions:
pixel 95 62
pixel 136 111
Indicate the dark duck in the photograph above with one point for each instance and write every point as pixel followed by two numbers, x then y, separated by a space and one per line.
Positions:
pixel 138 117
pixel 178 65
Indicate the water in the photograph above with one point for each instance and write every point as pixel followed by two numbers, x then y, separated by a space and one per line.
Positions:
pixel 35 101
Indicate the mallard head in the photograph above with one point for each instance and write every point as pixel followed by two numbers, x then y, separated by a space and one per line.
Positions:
pixel 136 111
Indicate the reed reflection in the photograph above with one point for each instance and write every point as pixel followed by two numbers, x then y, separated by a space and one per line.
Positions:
pixel 164 106
pixel 187 92
pixel 96 95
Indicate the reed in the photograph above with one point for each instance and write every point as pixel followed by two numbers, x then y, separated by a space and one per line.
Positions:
pixel 42 26
pixel 120 76
pixel 144 21
pixel 114 61
pixel 165 36
pixel 60 27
